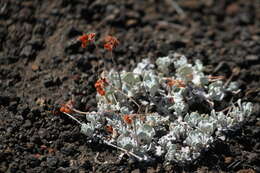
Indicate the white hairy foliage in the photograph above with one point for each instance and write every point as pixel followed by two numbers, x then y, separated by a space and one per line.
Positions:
pixel 164 123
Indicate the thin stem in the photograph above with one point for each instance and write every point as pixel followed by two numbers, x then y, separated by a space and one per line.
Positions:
pixel 98 56
pixel 124 150
pixel 114 64
pixel 114 97
pixel 72 118
pixel 226 109
pixel 215 78
pixel 121 92
pixel 89 113
pixel 235 72
pixel 107 99
pixel 80 112
pixel 135 131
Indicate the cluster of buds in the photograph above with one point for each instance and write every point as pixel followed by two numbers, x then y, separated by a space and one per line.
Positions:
pixel 67 108
pixel 128 119
pixel 110 42
pixel 109 129
pixel 178 83
pixel 86 38
pixel 100 86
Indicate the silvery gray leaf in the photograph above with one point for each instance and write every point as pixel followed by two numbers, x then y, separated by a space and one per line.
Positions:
pixel 151 82
pixel 163 64
pixel 170 155
pixel 216 91
pixel 177 130
pixel 247 108
pixel 207 127
pixel 125 110
pixel 159 151
pixel 93 117
pixel 145 133
pixel 180 108
pixel 198 65
pixel 166 139
pixel 130 78
pixel 233 87
pixel 198 140
pixel 185 73
pixel 193 118
pixel 155 119
pixel 183 155
pixel 87 129
pixel 126 142
pixel 143 66
pixel 180 62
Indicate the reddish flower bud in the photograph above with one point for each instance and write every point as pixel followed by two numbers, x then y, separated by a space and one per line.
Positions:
pixel 127 119
pixel 110 43
pixel 86 38
pixel 100 85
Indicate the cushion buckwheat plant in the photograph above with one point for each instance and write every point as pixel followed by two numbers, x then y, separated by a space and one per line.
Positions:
pixel 169 109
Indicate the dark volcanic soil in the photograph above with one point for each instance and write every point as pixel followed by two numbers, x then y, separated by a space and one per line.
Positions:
pixel 41 67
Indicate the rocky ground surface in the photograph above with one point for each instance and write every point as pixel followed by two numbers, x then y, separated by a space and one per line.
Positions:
pixel 42 66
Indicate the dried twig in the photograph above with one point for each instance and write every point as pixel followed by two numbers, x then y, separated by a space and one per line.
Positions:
pixel 235 72
pixel 218 66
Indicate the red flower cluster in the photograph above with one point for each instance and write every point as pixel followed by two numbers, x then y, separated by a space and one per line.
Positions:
pixel 178 83
pixel 67 108
pixel 86 38
pixel 128 119
pixel 99 85
pixel 110 43
pixel 109 129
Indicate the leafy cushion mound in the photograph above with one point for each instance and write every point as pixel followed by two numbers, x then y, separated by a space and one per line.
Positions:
pixel 169 109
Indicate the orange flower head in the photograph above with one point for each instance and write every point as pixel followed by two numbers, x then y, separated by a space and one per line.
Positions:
pixel 170 82
pixel 67 108
pixel 86 38
pixel 91 37
pixel 178 83
pixel 109 129
pixel 100 85
pixel 110 43
pixel 181 84
pixel 101 91
pixel 127 119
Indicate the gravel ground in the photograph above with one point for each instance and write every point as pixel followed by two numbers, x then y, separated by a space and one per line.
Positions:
pixel 42 66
